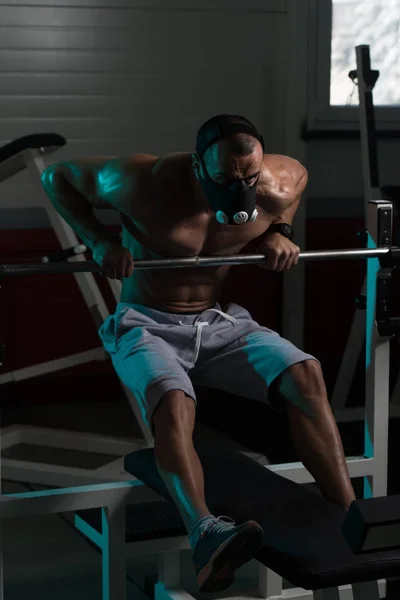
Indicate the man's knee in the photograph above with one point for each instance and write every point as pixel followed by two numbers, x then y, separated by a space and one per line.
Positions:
pixel 303 385
pixel 176 411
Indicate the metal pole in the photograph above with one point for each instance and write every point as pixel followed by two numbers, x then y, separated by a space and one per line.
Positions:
pixel 18 270
pixel 367 79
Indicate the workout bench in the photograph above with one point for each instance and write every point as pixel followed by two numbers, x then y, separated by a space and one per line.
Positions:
pixel 304 542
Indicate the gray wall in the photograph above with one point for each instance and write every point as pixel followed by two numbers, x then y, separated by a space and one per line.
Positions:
pixel 116 77
pixel 336 174
pixel 121 76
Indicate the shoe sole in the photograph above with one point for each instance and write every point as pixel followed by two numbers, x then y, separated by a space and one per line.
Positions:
pixel 219 573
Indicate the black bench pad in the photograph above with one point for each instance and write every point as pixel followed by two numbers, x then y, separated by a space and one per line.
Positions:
pixel 303 538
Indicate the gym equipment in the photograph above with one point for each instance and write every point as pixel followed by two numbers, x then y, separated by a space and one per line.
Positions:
pixel 373 465
pixel 304 541
pixel 15 155
pixel 373 524
pixel 366 79
pixel 106 453
pixel 16 270
pixel 64 254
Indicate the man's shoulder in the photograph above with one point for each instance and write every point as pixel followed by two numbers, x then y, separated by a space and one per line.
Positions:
pixel 281 161
pixel 166 168
pixel 153 178
pixel 173 166
pixel 139 163
pixel 288 171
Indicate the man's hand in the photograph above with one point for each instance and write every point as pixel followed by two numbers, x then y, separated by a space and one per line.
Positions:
pixel 115 261
pixel 281 254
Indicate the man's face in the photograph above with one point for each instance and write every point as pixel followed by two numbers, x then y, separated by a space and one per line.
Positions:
pixel 226 168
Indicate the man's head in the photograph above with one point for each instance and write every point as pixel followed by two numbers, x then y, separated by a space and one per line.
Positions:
pixel 228 161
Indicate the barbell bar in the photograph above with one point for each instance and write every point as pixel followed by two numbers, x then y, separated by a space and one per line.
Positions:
pixel 61 268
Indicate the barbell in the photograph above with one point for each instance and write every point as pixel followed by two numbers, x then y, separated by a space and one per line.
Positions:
pixel 59 268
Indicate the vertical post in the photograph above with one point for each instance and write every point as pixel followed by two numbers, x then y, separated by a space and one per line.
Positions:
pixel 377 358
pixel 169 569
pixel 366 80
pixel 169 575
pixel 367 590
pixel 296 109
pixel 113 552
pixel 270 584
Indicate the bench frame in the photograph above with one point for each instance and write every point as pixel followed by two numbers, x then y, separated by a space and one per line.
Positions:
pixel 112 499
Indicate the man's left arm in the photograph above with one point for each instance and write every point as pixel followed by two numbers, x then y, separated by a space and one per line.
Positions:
pixel 281 253
pixel 287 215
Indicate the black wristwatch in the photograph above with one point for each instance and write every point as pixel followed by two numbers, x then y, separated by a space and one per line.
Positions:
pixel 283 228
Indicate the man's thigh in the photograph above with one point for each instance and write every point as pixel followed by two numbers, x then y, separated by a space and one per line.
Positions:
pixel 250 366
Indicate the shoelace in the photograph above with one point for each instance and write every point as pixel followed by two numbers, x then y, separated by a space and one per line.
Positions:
pixel 199 326
pixel 217 526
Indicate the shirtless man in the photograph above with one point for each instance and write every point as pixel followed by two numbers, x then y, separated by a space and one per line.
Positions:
pixel 169 332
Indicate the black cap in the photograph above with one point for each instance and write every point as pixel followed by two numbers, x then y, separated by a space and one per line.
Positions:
pixel 222 126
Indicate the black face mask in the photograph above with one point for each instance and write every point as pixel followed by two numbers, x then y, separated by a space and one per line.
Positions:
pixel 234 204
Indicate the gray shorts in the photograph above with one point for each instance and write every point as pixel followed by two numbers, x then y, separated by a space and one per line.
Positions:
pixel 154 352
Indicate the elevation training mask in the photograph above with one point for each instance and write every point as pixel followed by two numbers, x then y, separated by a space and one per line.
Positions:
pixel 233 203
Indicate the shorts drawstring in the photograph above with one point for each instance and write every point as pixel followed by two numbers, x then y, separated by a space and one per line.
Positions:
pixel 199 329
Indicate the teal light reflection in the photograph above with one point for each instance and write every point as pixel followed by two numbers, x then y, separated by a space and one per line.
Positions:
pixel 111 180
pixel 373 267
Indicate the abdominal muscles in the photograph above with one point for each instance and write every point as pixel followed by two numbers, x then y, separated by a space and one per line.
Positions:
pixel 171 290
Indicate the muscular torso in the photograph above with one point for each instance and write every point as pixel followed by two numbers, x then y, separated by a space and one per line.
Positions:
pixel 167 215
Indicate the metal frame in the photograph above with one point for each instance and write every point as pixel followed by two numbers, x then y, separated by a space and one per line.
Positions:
pixel 269 586
pixel 113 497
pixel 52 475
pixel 372 191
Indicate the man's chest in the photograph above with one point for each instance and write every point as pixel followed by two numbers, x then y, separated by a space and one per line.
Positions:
pixel 196 236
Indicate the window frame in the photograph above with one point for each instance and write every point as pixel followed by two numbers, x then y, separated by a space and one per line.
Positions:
pixel 321 115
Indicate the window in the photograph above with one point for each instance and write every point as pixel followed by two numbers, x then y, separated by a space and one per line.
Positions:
pixel 372 22
pixel 337 27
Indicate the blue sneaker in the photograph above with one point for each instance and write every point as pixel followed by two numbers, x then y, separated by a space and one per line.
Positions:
pixel 222 548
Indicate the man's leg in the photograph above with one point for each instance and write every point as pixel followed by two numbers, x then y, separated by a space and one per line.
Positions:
pixel 253 362
pixel 220 548
pixel 314 431
pixel 177 460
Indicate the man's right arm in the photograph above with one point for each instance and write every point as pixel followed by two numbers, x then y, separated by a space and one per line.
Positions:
pixel 75 188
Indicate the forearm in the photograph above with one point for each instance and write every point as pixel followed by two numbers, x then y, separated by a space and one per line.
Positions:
pixel 75 209
pixel 288 214
pixel 277 240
